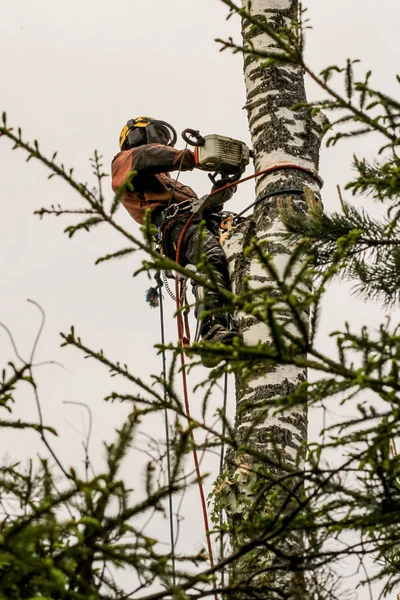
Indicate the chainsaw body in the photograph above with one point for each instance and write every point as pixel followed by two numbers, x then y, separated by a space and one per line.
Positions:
pixel 218 153
pixel 221 154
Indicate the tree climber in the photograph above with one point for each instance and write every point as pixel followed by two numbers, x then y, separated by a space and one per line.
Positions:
pixel 147 148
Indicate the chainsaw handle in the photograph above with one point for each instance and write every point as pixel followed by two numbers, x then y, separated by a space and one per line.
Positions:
pixel 193 137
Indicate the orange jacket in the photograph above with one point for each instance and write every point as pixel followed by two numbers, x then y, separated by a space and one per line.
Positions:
pixel 153 187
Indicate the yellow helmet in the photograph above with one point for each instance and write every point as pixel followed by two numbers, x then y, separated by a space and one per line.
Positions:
pixel 146 130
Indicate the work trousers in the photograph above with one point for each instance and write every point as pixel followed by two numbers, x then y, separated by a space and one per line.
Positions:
pixel 190 248
pixel 216 260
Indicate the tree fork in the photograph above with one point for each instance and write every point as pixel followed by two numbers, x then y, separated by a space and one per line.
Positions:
pixel 279 135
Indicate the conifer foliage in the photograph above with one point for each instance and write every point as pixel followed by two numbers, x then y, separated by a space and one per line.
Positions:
pixel 64 536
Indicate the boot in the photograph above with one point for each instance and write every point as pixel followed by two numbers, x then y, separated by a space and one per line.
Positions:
pixel 213 329
pixel 216 330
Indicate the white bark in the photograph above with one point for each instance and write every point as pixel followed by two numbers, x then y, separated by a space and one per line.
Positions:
pixel 278 136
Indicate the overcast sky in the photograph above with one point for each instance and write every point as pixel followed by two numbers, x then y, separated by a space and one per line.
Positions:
pixel 72 74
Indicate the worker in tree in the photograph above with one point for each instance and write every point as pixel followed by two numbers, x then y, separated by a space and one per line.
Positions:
pixel 147 147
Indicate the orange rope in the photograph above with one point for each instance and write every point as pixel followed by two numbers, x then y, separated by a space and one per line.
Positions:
pixel 186 339
pixel 182 341
pixel 277 167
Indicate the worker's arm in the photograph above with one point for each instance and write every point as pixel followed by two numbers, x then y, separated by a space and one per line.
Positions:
pixel 152 159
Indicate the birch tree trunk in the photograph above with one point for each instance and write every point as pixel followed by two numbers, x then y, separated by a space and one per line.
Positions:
pixel 278 136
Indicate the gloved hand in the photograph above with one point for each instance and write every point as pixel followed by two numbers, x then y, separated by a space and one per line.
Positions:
pixel 226 179
pixel 219 198
pixel 220 183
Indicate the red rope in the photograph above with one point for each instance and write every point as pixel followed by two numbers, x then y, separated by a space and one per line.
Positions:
pixel 277 167
pixel 182 341
pixel 185 340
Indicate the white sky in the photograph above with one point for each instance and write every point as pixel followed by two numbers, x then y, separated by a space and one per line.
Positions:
pixel 72 74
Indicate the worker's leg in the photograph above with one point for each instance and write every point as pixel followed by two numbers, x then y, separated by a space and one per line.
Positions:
pixel 210 246
pixel 219 323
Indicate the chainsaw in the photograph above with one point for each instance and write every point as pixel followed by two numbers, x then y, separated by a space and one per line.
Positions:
pixel 217 153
